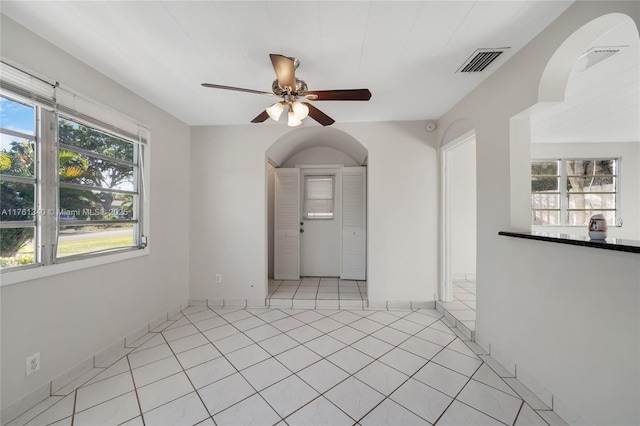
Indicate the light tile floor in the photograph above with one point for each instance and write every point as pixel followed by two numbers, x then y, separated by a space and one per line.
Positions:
pixel 316 292
pixel 295 367
pixel 461 311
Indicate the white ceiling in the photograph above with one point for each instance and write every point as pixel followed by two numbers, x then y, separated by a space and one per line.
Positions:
pixel 406 53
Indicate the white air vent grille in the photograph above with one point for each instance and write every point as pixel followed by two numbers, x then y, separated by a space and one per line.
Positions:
pixel 481 59
pixel 594 56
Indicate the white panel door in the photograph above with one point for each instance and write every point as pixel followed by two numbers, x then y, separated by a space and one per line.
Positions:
pixel 287 224
pixel 354 223
pixel 320 241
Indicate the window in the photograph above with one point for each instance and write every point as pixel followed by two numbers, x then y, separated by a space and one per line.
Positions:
pixel 18 177
pixel 318 198
pixel 70 174
pixel 567 192
pixel 98 190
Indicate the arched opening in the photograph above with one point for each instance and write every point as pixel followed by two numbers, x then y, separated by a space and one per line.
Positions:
pixel 316 220
pixel 584 126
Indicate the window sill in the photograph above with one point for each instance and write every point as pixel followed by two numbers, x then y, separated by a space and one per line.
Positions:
pixel 10 278
pixel 617 244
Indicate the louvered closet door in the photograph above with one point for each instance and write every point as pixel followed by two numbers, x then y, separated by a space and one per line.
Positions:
pixel 286 225
pixel 354 223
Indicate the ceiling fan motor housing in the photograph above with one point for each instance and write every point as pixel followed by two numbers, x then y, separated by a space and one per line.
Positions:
pixel 280 91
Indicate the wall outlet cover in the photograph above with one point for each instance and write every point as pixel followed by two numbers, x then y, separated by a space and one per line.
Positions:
pixel 33 363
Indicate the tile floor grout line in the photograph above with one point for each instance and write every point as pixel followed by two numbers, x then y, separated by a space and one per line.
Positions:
pixel 73 410
pixel 135 389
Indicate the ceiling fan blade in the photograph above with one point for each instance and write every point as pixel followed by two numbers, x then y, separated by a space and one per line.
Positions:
pixel 237 89
pixel 319 116
pixel 341 95
pixel 261 117
pixel 285 71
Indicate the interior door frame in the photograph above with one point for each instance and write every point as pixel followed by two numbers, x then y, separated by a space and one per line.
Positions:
pixel 338 188
pixel 446 279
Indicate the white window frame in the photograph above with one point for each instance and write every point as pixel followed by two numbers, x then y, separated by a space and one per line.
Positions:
pixel 564 194
pixel 16 86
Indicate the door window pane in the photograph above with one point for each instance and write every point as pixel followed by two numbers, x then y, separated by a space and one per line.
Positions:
pixel 318 197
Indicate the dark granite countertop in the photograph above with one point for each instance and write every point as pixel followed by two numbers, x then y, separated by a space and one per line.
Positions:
pixel 630 246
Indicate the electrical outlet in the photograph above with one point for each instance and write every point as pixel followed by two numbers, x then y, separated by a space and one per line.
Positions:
pixel 218 278
pixel 33 363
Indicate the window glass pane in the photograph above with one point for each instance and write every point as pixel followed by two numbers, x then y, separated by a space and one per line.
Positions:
pixel 80 204
pixel 540 184
pixel 591 184
pixel 545 201
pixel 581 218
pixel 545 217
pixel 319 187
pixel 17 116
pixel 74 240
pixel 590 167
pixel 87 170
pixel 17 201
pixel 549 168
pixel 592 201
pixel 319 209
pixel 17 247
pixel 72 133
pixel 17 156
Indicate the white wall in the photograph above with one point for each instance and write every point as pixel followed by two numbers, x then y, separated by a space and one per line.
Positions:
pixel 70 317
pixel 628 184
pixel 319 156
pixel 228 183
pixel 540 305
pixel 461 193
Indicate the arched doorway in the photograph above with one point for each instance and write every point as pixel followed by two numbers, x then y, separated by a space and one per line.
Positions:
pixel 316 257
pixel 589 92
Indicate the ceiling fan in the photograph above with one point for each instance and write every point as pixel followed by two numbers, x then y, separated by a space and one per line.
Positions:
pixel 291 90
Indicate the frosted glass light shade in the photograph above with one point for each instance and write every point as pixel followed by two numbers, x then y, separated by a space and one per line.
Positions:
pixel 300 110
pixel 275 111
pixel 293 120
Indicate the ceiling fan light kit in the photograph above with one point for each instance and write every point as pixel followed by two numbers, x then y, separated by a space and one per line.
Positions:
pixel 290 89
pixel 275 110
pixel 293 120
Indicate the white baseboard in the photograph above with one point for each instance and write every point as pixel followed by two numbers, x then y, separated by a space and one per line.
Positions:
pixel 541 399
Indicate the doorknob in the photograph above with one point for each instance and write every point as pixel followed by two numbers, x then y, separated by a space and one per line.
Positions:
pixel 301 230
pixel 301 223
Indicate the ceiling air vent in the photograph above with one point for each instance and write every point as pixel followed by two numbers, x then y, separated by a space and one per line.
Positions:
pixel 594 56
pixel 481 59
